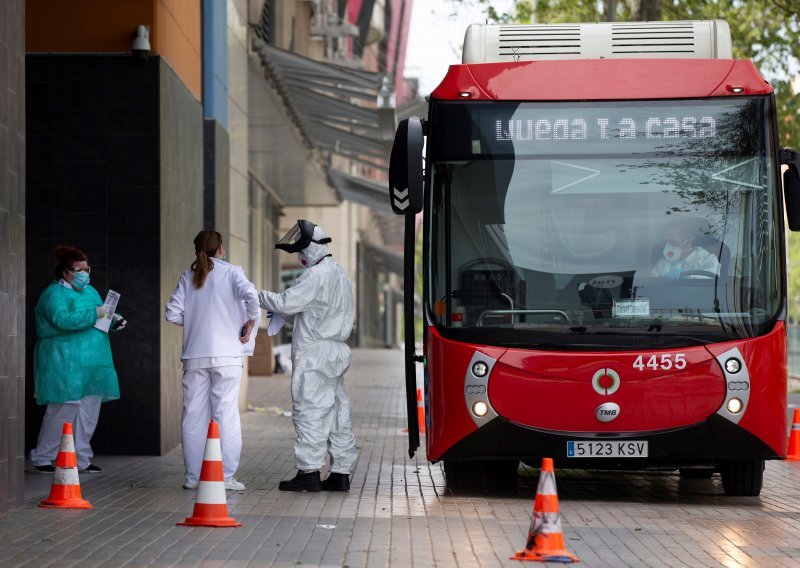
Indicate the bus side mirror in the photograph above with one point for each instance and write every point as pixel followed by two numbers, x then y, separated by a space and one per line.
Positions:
pixel 791 187
pixel 405 168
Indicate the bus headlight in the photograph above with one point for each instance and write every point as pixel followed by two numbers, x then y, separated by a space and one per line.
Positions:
pixel 733 365
pixel 480 408
pixel 734 406
pixel 479 369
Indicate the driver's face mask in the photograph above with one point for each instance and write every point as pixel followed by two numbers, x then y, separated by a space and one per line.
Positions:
pixel 672 253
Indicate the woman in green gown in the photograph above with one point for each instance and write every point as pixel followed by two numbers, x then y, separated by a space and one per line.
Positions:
pixel 72 364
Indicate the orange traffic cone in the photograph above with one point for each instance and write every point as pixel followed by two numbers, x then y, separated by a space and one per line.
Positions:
pixel 545 540
pixel 211 508
pixel 420 413
pixel 793 453
pixel 65 492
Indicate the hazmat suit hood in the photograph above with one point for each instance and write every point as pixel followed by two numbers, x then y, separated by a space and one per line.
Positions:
pixel 314 252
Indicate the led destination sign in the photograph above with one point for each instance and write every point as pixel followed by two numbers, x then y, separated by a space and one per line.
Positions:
pixel 604 128
pixel 710 128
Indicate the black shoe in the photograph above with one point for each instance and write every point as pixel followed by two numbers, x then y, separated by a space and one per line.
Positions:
pixel 302 482
pixel 336 482
pixel 44 468
pixel 91 468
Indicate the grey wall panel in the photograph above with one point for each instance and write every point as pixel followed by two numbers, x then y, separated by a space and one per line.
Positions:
pixel 216 178
pixel 181 196
pixel 12 253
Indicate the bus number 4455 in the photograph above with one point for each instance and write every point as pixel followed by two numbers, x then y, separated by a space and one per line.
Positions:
pixel 665 362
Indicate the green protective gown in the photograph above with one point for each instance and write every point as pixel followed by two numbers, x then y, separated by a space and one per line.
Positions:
pixel 72 359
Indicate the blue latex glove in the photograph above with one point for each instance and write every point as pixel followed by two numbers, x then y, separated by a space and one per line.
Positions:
pixel 675 272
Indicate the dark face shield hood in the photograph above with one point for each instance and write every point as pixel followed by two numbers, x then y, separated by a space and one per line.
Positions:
pixel 299 237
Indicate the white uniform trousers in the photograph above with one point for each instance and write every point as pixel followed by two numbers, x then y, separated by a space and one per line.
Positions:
pixel 83 415
pixel 207 393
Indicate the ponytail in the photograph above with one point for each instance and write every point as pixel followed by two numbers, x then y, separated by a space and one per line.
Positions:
pixel 206 245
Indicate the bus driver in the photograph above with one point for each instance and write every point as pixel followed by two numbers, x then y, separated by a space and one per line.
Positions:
pixel 680 255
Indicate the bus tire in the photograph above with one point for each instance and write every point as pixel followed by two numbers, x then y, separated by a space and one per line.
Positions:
pixel 503 474
pixel 460 474
pixel 742 478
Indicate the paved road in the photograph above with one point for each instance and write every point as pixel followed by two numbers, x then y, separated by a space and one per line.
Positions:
pixel 399 511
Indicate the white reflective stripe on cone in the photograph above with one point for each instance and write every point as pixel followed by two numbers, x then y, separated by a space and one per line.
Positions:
pixel 213 450
pixel 211 493
pixel 795 426
pixel 66 476
pixel 551 523
pixel 67 444
pixel 547 484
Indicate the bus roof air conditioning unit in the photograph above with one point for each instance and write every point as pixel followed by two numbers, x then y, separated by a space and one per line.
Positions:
pixel 709 39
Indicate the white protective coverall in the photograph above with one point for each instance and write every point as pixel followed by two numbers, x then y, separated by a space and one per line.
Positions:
pixel 212 317
pixel 321 301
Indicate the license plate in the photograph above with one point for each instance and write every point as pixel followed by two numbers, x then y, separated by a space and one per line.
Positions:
pixel 607 449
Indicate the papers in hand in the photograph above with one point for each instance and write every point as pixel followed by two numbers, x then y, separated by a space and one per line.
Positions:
pixel 275 324
pixel 110 306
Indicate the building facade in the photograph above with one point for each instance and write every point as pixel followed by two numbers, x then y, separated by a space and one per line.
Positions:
pixel 127 126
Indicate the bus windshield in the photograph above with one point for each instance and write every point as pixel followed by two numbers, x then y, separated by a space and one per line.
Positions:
pixel 603 225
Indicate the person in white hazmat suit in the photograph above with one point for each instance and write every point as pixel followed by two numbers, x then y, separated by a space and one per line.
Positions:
pixel 320 303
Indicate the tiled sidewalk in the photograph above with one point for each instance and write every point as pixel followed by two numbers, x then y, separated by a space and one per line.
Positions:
pixel 399 512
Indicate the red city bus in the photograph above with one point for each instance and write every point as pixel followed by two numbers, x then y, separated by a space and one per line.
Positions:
pixel 604 254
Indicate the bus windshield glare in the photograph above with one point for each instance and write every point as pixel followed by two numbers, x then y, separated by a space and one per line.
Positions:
pixel 616 225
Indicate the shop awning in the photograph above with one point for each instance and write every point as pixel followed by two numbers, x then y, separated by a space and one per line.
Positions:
pixel 334 106
pixel 335 109
pixel 387 259
pixel 373 194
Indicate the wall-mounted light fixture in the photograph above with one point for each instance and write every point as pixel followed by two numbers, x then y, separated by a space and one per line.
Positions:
pixel 141 42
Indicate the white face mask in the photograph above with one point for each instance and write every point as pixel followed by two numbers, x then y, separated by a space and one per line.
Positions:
pixel 672 253
pixel 303 259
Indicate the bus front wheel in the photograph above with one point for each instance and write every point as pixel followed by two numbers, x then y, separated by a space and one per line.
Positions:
pixel 742 478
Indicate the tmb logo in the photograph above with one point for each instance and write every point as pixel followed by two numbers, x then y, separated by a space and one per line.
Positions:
pixel 607 412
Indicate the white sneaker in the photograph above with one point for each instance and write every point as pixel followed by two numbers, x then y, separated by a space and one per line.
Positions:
pixel 234 485
pixel 190 485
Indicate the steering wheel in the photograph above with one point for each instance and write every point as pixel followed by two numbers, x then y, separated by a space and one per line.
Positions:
pixel 499 290
pixel 701 273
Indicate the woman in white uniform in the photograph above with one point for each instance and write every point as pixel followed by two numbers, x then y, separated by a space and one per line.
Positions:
pixel 218 309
